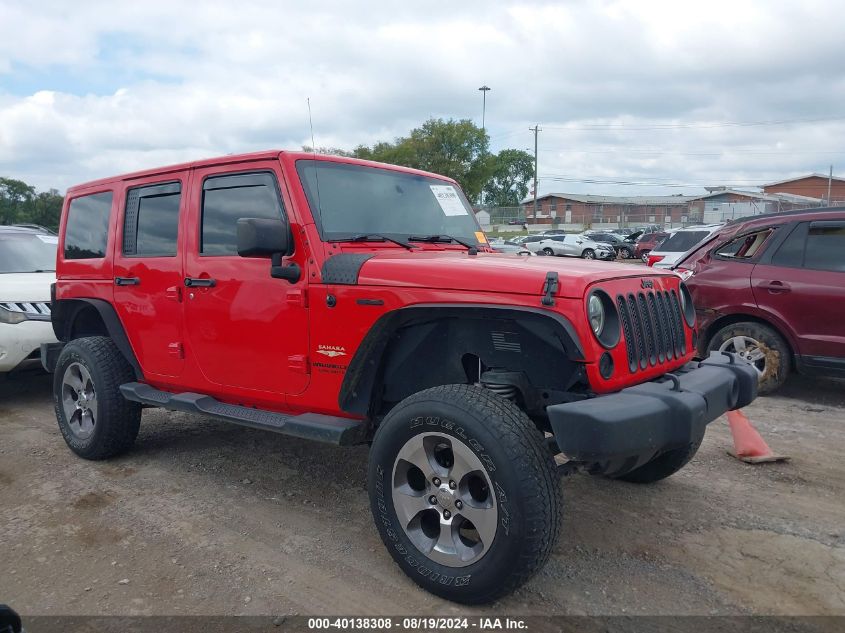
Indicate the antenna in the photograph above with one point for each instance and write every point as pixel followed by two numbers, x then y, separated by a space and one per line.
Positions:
pixel 314 153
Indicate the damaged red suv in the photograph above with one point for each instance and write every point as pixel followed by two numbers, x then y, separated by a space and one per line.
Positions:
pixel 354 302
pixel 771 289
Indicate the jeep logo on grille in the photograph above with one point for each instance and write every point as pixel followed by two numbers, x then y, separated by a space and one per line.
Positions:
pixel 647 283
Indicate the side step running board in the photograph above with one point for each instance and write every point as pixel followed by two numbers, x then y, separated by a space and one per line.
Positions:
pixel 310 426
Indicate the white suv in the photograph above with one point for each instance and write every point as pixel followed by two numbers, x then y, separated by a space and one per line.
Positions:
pixel 680 242
pixel 27 268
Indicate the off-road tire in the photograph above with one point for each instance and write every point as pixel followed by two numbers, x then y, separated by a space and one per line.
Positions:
pixel 663 465
pixel 625 253
pixel 778 357
pixel 118 419
pixel 588 253
pixel 525 485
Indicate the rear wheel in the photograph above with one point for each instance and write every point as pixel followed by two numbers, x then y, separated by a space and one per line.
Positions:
pixel 644 256
pixel 464 493
pixel 588 253
pixel 758 345
pixel 548 251
pixel 663 465
pixel 95 419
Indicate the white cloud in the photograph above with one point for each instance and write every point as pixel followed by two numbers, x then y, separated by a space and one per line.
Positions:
pixel 117 87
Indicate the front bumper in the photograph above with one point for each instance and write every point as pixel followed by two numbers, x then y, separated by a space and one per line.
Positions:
pixel 621 431
pixel 19 341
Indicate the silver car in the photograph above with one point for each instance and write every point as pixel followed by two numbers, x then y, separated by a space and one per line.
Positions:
pixel 573 246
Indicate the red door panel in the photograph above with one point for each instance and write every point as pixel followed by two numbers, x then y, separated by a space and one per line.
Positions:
pixel 148 273
pixel 245 329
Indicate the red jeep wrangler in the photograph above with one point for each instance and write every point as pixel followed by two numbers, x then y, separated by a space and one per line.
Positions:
pixel 354 302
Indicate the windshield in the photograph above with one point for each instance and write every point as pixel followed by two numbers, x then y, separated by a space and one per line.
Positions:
pixel 27 252
pixel 682 241
pixel 349 200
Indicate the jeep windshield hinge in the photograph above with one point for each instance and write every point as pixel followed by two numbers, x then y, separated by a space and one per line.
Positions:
pixel 549 289
pixel 292 272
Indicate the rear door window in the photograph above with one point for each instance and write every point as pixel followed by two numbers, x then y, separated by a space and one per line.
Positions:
pixel 151 222
pixel 87 226
pixel 825 246
pixel 791 252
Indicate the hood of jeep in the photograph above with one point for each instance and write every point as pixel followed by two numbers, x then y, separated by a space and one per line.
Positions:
pixel 491 272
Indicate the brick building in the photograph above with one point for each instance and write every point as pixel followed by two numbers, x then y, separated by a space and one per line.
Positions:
pixel 569 208
pixel 812 185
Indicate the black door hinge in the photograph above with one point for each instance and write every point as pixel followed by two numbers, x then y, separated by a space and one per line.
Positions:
pixel 549 289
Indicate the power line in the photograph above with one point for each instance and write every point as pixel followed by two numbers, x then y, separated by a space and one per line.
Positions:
pixel 682 126
pixel 664 152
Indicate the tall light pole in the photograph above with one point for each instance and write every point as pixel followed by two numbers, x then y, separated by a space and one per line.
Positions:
pixel 484 89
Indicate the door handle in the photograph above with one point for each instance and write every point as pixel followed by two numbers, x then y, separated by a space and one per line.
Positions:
pixel 127 281
pixel 198 282
pixel 775 287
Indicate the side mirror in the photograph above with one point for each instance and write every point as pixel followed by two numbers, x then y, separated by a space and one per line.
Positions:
pixel 257 237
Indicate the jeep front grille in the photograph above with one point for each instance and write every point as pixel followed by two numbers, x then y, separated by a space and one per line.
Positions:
pixel 653 328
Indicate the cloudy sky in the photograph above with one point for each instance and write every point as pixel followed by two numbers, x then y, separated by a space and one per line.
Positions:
pixel 632 97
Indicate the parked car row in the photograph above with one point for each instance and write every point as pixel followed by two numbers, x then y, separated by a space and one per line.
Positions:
pixel 769 288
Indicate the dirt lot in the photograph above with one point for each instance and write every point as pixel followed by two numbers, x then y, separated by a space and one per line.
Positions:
pixel 208 518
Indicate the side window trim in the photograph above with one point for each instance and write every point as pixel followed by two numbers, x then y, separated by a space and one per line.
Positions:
pixel 236 180
pixel 129 247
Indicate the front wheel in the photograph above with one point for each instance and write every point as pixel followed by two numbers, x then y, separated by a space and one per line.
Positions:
pixel 625 253
pixel 644 256
pixel 548 251
pixel 464 493
pixel 588 253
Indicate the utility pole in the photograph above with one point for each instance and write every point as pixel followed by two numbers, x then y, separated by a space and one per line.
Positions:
pixel 484 89
pixel 829 182
pixel 535 129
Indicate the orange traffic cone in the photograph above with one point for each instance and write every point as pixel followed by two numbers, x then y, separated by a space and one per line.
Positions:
pixel 748 445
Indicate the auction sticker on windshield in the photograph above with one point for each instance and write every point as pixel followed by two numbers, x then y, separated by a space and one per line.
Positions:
pixel 448 199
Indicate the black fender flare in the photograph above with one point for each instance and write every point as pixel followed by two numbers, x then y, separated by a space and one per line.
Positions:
pixel 364 369
pixel 65 311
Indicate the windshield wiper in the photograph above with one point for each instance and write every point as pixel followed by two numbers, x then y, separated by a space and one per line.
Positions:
pixel 441 238
pixel 374 237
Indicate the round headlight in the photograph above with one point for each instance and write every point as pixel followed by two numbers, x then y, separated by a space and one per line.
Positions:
pixel 687 307
pixel 596 313
pixel 604 318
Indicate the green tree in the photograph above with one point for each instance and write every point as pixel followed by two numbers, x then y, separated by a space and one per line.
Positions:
pixel 15 200
pixel 454 148
pixel 19 203
pixel 335 151
pixel 508 184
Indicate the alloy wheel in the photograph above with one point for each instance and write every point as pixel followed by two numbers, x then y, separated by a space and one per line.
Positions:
pixel 79 400
pixel 444 499
pixel 748 349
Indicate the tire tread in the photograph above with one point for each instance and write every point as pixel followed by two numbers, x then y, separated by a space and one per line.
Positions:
pixel 521 439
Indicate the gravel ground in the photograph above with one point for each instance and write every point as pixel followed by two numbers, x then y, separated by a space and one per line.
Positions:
pixel 204 517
